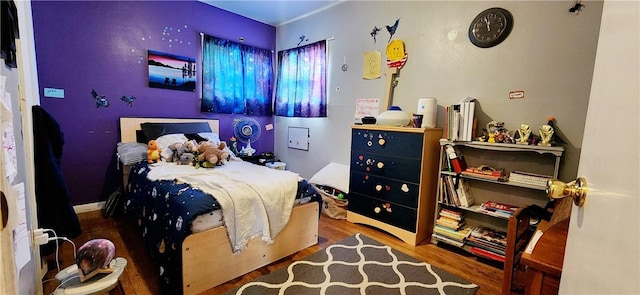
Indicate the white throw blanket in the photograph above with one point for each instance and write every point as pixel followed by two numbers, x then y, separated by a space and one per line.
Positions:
pixel 254 199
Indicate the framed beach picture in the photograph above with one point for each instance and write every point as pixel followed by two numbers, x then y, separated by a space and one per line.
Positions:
pixel 170 71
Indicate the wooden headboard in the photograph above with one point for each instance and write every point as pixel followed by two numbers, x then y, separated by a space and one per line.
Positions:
pixel 129 125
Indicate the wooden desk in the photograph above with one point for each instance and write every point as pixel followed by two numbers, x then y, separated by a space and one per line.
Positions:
pixel 544 264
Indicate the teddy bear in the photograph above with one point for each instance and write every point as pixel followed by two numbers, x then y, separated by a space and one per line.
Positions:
pixel 212 154
pixel 153 151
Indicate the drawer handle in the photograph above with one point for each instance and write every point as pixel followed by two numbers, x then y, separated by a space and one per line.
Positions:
pixel 380 165
pixel 377 210
pixel 381 141
pixel 378 187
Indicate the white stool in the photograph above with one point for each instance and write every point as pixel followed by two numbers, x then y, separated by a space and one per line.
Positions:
pixel 69 279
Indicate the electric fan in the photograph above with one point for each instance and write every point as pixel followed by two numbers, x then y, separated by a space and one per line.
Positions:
pixel 247 130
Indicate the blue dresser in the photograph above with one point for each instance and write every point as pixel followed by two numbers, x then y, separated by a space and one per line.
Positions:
pixel 393 177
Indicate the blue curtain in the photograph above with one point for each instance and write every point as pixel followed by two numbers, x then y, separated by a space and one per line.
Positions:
pixel 301 88
pixel 236 78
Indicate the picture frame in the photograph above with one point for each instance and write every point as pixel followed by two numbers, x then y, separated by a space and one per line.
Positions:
pixel 169 71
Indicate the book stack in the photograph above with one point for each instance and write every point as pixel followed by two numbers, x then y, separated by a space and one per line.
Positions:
pixel 529 178
pixel 461 122
pixel 449 227
pixel 485 172
pixel 455 191
pixel 488 243
pixel 497 209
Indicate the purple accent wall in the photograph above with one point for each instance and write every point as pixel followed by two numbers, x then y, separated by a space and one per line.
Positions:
pixel 102 45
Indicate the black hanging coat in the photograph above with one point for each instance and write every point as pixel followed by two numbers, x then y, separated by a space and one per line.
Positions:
pixel 52 196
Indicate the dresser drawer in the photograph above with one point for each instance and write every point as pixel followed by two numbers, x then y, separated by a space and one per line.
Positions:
pixel 408 145
pixel 387 166
pixel 391 190
pixel 395 215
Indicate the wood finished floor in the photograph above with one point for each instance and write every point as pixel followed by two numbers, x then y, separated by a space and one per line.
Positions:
pixel 140 275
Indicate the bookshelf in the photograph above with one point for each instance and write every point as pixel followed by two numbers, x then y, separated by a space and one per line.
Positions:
pixel 512 226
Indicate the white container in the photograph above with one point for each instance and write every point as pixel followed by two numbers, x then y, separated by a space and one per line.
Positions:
pixel 395 116
pixel 428 107
pixel 276 165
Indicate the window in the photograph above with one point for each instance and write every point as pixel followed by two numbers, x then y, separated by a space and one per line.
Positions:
pixel 236 78
pixel 301 84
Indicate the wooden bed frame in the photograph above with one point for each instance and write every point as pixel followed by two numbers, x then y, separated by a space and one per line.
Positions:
pixel 207 259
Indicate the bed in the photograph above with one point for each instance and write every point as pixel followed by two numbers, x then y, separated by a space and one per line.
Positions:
pixel 191 260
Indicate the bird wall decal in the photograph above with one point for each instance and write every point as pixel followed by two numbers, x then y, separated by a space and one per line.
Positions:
pixel 392 29
pixel 302 39
pixel 128 99
pixel 374 33
pixel 101 101
pixel 577 7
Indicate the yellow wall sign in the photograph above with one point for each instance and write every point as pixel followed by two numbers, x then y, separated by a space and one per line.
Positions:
pixel 396 54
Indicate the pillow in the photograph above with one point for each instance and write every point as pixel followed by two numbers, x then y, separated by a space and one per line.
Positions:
pixel 334 175
pixel 166 140
pixel 132 152
pixel 210 136
pixel 155 130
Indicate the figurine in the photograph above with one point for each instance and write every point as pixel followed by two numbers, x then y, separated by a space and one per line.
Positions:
pixel 546 133
pixel 495 127
pixel 523 134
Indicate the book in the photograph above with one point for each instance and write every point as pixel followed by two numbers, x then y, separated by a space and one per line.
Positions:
pixel 484 171
pixel 464 194
pixel 464 113
pixel 454 122
pixel 529 178
pixel 467 117
pixel 489 234
pixel 471 119
pixel 451 214
pixel 458 235
pixel 491 205
pixel 447 240
pixel 487 254
pixel 489 246
pixel 454 226
pixel 497 209
pixel 486 243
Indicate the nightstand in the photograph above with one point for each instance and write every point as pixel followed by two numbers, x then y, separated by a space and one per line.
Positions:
pixel 260 159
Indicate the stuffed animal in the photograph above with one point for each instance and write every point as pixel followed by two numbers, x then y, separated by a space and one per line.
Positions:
pixel 181 154
pixel 192 146
pixel 186 159
pixel 212 154
pixel 153 152
pixel 176 150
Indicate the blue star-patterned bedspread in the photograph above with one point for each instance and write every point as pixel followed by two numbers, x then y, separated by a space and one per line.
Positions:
pixel 164 211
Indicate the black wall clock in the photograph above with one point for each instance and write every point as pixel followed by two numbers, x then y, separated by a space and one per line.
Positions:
pixel 490 27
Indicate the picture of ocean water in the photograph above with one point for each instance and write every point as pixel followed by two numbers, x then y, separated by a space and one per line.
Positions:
pixel 170 71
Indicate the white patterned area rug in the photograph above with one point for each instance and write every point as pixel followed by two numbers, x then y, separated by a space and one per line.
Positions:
pixel 358 265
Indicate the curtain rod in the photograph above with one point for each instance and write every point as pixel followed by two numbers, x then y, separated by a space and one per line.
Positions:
pixel 327 39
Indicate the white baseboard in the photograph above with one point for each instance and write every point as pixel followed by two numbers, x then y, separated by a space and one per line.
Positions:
pixel 88 207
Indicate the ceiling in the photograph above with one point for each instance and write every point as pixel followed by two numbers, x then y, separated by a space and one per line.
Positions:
pixel 273 12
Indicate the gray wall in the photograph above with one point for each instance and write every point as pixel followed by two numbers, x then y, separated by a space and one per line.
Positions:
pixel 549 54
